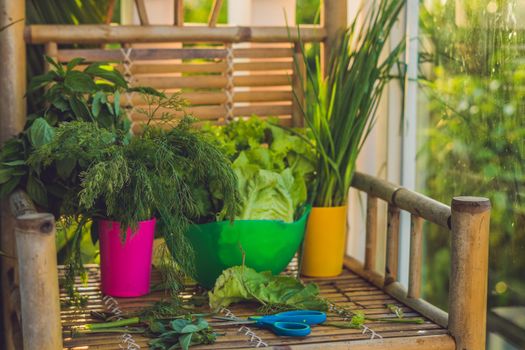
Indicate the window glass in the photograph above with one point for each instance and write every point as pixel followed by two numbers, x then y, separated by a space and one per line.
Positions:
pixel 471 139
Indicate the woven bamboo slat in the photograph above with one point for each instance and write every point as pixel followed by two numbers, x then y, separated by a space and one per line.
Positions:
pixel 141 54
pixel 219 97
pixel 212 81
pixel 348 290
pixel 218 112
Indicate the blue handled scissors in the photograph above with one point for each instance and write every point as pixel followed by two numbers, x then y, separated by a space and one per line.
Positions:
pixel 289 323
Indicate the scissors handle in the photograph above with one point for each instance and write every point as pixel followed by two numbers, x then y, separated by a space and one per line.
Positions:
pixel 309 317
pixel 289 329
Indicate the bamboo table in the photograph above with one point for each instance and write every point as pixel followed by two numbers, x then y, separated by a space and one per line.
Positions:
pixel 348 290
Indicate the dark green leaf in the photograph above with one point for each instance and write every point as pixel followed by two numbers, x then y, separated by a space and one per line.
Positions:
pixel 15 162
pixel 185 341
pixel 79 82
pixel 40 81
pixel 74 62
pixel 9 186
pixel 40 132
pixel 95 234
pixel 147 91
pixel 117 102
pixel 36 190
pixel 61 104
pixel 105 120
pixel 65 167
pixel 55 64
pixel 108 73
pixel 80 109
pixel 5 175
pixel 97 103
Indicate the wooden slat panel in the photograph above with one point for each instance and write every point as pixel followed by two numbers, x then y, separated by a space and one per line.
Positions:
pixel 263 53
pixel 217 67
pixel 217 112
pixel 113 55
pixel 136 54
pixel 212 81
pixel 215 98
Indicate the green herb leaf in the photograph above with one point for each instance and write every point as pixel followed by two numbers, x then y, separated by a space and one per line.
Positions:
pixel 80 109
pixel 241 283
pixel 9 186
pixel 79 82
pixel 41 80
pixel 107 72
pixel 40 133
pixel 65 166
pixel 185 341
pixel 36 190
pixel 74 62
pixel 116 96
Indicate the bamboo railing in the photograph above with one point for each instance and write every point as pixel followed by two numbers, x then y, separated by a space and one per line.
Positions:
pixel 468 221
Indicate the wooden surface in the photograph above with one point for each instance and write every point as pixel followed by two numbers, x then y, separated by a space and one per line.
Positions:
pixel 348 290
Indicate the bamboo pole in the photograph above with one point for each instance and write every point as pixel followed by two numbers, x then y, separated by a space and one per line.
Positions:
pixel 469 272
pixel 334 20
pixel 110 11
pixel 179 13
pixel 298 86
pixel 51 50
pixel 413 202
pixel 371 233
pixel 36 251
pixel 214 13
pixel 40 300
pixel 102 33
pixel 142 11
pixel 416 256
pixel 392 244
pixel 12 119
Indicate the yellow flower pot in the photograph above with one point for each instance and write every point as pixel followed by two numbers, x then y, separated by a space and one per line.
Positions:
pixel 325 241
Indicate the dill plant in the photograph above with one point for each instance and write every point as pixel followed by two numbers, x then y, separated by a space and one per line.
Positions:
pixel 77 158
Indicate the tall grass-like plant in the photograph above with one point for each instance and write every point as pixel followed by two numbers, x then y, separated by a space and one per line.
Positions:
pixel 341 106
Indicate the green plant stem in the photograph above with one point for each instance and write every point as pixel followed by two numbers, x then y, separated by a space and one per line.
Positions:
pixel 113 324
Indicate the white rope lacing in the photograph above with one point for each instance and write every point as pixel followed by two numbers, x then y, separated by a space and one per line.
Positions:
pixel 127 64
pixel 230 87
pixel 255 340
pixel 126 340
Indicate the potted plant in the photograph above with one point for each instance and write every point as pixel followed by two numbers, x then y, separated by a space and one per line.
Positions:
pixel 89 167
pixel 340 114
pixel 273 167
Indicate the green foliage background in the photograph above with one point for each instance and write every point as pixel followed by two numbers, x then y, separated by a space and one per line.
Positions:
pixel 474 87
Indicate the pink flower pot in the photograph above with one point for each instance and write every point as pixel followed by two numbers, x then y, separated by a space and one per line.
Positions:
pixel 125 266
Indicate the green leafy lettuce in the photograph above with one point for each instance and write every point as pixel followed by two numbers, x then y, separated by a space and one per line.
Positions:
pixel 241 283
pixel 273 165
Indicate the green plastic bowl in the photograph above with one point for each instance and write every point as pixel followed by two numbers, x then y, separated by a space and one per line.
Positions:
pixel 269 245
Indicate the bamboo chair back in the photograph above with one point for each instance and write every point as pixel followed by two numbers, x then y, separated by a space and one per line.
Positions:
pixel 220 82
